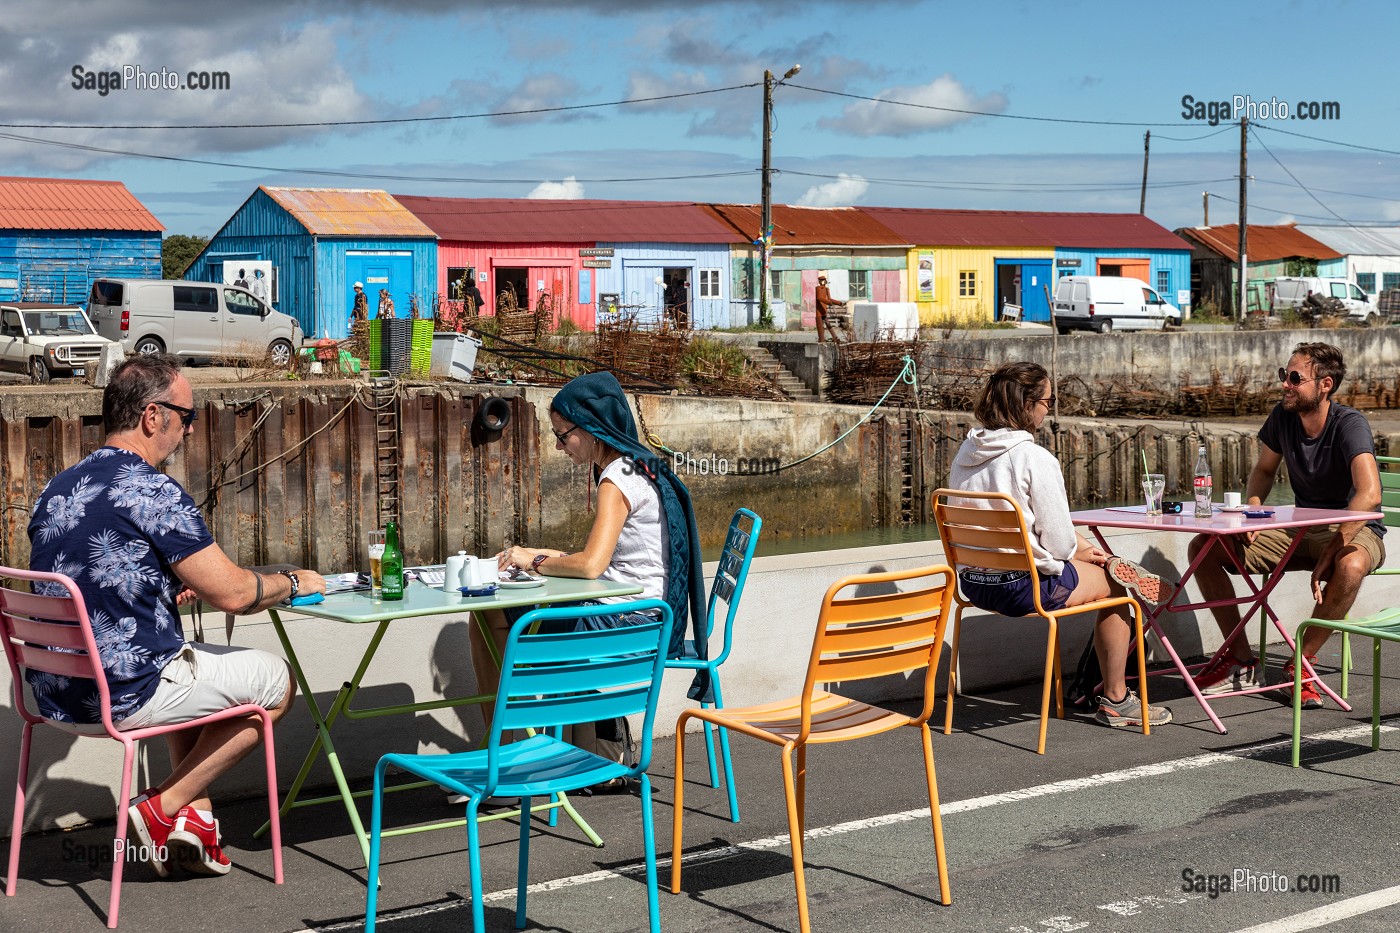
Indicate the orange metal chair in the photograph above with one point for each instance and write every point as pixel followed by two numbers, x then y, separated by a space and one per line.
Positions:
pixel 995 536
pixel 869 632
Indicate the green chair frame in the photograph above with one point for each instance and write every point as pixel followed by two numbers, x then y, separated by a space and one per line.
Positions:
pixel 1383 626
pixel 1390 505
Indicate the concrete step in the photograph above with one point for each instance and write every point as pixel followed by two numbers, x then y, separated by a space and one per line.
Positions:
pixel 778 374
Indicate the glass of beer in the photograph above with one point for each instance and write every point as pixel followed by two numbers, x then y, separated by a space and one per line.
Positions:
pixel 376 566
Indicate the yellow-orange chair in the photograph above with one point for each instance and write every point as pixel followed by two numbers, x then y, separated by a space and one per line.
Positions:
pixel 873 631
pixel 994 536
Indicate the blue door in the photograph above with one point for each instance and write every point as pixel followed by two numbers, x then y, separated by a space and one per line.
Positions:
pixel 1035 278
pixel 1023 282
pixel 391 271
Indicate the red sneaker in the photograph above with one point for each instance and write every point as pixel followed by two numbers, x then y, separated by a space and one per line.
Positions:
pixel 152 829
pixel 1312 697
pixel 194 842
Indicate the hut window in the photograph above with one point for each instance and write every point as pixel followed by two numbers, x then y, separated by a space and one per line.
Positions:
pixel 1164 282
pixel 1366 281
pixel 709 283
pixel 858 284
pixel 967 283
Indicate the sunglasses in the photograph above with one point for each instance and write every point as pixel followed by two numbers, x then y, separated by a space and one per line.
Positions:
pixel 188 416
pixel 1049 400
pixel 559 436
pixel 1293 377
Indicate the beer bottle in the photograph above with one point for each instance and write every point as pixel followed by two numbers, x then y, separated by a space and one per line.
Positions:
pixel 392 562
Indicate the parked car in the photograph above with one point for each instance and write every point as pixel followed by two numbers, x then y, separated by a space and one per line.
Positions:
pixel 1290 292
pixel 194 320
pixel 1108 302
pixel 46 340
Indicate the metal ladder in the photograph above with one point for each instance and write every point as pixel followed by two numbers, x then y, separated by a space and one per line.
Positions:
pixel 387 466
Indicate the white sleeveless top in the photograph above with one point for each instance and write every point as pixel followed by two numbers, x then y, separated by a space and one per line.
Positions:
pixel 641 554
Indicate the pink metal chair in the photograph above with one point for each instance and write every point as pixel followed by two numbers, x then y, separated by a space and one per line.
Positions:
pixel 53 634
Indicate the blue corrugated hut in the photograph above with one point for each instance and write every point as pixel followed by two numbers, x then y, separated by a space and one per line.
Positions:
pixel 58 234
pixel 319 242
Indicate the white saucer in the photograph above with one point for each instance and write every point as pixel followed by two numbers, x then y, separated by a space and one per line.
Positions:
pixel 1238 508
pixel 520 584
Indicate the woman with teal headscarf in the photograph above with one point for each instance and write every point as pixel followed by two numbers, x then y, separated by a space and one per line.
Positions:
pixel 644 532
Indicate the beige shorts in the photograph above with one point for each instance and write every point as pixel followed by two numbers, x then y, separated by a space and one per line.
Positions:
pixel 1264 553
pixel 204 679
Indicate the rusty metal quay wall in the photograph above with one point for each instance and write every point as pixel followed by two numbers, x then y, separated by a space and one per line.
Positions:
pixel 285 472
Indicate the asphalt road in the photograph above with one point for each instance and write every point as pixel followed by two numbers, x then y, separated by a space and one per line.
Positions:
pixel 1109 831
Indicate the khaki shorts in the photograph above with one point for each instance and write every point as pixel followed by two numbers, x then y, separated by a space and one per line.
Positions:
pixel 204 679
pixel 1268 548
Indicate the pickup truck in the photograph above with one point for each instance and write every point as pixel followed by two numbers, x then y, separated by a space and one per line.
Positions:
pixel 45 341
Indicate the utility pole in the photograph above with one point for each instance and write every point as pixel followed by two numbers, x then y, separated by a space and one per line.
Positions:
pixel 1146 146
pixel 1205 203
pixel 1244 214
pixel 765 313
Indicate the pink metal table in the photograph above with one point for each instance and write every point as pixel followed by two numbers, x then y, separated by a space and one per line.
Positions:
pixel 1218 528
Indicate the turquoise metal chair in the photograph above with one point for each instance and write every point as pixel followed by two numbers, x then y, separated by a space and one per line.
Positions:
pixel 548 680
pixel 1390 506
pixel 728 586
pixel 1383 626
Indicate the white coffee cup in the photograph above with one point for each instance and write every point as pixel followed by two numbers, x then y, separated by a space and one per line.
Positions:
pixel 1232 500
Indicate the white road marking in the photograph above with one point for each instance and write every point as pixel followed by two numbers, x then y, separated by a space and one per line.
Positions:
pixel 1321 916
pixel 1194 762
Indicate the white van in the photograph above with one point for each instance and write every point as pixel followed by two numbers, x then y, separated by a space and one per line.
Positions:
pixel 1291 291
pixel 1108 302
pixel 195 320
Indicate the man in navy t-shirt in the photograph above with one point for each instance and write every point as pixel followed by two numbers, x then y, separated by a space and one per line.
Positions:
pixel 137 547
pixel 1331 459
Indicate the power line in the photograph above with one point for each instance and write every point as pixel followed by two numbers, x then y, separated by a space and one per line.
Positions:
pixel 986 113
pixel 387 121
pixel 1274 210
pixel 1290 174
pixel 1321 139
pixel 332 173
pixel 1046 186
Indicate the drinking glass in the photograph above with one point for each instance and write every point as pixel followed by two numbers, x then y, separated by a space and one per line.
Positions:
pixel 376 566
pixel 1153 486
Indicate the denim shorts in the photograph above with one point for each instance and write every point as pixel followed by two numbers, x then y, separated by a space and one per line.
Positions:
pixel 1008 592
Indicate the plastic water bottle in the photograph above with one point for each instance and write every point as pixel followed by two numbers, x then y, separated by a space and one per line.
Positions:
pixel 1203 485
pixel 392 563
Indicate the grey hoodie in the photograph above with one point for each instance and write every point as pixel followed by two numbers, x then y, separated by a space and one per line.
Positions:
pixel 1010 461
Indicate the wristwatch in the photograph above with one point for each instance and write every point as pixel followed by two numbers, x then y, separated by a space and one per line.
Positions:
pixel 296 584
pixel 540 559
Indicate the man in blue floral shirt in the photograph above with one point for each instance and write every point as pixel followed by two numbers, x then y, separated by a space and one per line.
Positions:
pixel 137 547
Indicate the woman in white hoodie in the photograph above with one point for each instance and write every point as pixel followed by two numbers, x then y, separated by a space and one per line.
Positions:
pixel 1002 456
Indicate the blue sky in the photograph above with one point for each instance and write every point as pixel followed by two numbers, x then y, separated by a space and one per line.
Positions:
pixel 357 60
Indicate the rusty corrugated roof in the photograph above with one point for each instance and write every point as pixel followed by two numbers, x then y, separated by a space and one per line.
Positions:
pixel 810 226
pixel 348 212
pixel 71 204
pixel 1266 243
pixel 1081 230
pixel 528 220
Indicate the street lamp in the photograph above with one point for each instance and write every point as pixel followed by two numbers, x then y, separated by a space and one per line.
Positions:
pixel 765 314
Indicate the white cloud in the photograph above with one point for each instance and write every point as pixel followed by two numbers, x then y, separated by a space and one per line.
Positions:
pixel 845 191
pixel 869 118
pixel 567 190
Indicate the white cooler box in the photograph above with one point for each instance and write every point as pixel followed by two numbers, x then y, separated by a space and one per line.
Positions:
pixel 454 355
pixel 877 318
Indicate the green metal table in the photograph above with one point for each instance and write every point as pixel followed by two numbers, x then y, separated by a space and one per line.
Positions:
pixel 419 600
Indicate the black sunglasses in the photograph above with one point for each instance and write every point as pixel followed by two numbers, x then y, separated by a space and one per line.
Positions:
pixel 560 436
pixel 1293 377
pixel 188 416
pixel 1049 400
